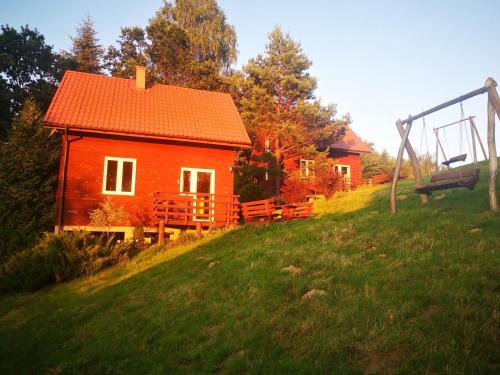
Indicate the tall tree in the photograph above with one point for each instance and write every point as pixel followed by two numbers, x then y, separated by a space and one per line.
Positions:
pixel 191 44
pixel 132 51
pixel 278 103
pixel 28 178
pixel 28 68
pixel 86 50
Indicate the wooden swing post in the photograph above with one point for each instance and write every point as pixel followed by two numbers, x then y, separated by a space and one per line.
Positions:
pixel 493 106
pixel 399 161
pixel 473 124
pixel 414 163
pixel 438 141
pixel 473 141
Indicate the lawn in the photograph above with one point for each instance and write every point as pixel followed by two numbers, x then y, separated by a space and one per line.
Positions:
pixel 353 290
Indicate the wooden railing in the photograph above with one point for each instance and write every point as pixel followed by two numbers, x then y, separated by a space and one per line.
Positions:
pixel 348 183
pixel 196 210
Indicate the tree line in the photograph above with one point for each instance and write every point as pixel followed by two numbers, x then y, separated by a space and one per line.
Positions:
pixel 186 43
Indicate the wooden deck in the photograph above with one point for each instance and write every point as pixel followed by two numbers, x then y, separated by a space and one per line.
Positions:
pixel 196 210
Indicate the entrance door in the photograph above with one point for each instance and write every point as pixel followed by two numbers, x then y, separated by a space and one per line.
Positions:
pixel 343 170
pixel 200 184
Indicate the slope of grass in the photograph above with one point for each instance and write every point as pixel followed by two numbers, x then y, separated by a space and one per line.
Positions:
pixel 353 290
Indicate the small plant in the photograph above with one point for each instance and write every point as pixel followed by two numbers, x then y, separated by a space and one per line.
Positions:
pixel 108 215
pixel 294 189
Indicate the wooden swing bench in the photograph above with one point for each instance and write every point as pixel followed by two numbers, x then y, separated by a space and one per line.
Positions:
pixel 454 159
pixel 467 178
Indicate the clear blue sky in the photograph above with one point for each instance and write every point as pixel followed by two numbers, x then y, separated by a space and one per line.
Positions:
pixel 378 60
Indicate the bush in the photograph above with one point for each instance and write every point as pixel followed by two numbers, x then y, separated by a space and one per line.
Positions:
pixel 327 182
pixel 295 190
pixel 58 258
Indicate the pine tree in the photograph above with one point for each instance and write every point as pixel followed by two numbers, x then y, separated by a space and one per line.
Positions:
pixel 28 180
pixel 86 50
pixel 278 104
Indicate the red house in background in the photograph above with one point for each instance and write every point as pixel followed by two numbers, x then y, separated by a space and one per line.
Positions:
pixel 345 156
pixel 145 146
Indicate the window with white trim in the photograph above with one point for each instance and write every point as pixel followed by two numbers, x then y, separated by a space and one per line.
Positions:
pixel 306 168
pixel 119 176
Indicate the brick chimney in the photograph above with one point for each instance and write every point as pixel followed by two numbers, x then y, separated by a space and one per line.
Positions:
pixel 140 77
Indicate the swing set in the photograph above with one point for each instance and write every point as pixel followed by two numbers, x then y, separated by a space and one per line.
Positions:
pixel 467 178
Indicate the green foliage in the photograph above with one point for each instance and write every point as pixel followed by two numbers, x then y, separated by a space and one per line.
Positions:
pixel 374 163
pixel 58 258
pixel 28 180
pixel 28 68
pixel 86 50
pixel 132 51
pixel 191 44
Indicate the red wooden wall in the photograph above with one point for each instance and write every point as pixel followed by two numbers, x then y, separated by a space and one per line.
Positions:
pixel 351 159
pixel 158 168
pixel 344 158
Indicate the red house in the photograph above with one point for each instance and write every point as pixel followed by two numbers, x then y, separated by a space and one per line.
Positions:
pixel 162 152
pixel 345 156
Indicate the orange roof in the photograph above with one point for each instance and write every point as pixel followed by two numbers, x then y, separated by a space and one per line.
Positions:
pixel 351 142
pixel 97 103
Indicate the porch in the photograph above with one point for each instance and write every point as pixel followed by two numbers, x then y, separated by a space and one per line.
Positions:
pixel 194 211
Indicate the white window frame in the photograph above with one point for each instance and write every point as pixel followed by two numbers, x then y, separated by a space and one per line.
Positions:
pixel 348 175
pixel 193 185
pixel 119 176
pixel 308 172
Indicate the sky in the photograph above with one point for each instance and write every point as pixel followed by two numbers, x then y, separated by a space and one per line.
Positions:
pixel 377 60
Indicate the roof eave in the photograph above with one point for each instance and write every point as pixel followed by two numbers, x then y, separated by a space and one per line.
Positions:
pixel 50 125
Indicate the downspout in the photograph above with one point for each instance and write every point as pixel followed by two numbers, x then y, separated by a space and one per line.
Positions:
pixel 62 183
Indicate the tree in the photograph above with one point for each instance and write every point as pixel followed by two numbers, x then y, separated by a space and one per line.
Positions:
pixel 191 44
pixel 86 50
pixel 28 68
pixel 28 180
pixel 132 51
pixel 278 105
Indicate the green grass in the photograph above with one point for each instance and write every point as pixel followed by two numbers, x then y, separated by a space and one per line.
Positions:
pixel 415 292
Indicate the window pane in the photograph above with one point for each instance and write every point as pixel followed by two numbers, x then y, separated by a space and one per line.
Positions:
pixel 203 183
pixel 111 175
pixel 185 188
pixel 127 176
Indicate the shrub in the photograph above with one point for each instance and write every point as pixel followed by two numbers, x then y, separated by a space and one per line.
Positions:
pixel 295 190
pixel 108 214
pixel 327 182
pixel 58 258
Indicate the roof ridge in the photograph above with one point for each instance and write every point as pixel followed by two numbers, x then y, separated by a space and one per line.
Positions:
pixel 151 85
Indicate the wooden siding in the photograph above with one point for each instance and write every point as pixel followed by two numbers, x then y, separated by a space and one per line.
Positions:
pixel 351 159
pixel 338 157
pixel 158 166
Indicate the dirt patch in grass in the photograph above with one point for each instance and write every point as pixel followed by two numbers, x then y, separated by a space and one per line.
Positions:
pixel 312 293
pixel 292 270
pixel 429 312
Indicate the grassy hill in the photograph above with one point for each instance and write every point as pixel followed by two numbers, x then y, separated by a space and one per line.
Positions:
pixel 353 290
